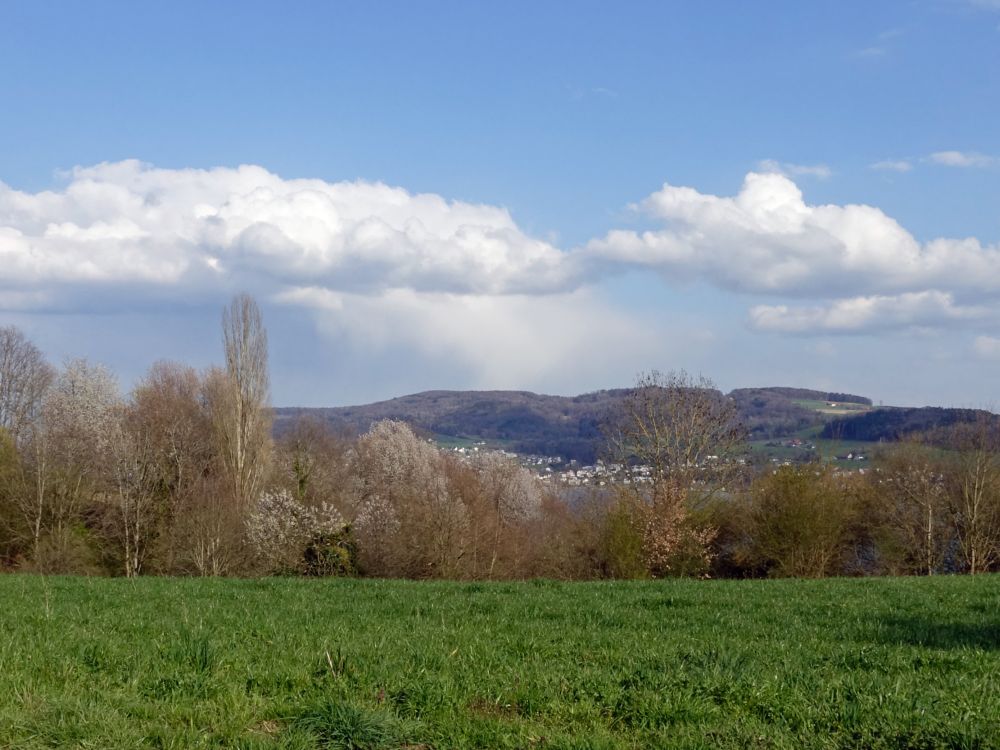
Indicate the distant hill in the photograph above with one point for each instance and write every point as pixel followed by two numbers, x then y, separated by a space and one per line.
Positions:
pixel 805 394
pixel 567 426
pixel 525 422
pixel 780 412
pixel 895 423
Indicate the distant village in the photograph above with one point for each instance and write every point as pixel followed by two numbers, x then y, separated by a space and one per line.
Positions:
pixel 557 471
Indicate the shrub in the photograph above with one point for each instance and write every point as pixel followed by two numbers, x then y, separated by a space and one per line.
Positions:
pixel 623 541
pixel 66 550
pixel 800 521
pixel 280 530
pixel 331 553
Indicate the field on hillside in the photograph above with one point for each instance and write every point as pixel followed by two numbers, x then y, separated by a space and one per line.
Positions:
pixel 831 407
pixel 168 663
pixel 813 449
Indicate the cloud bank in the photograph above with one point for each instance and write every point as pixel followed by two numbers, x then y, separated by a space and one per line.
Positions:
pixel 386 258
pixel 130 223
pixel 767 240
pixel 873 313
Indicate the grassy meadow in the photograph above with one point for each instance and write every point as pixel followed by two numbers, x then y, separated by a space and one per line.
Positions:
pixel 828 407
pixel 275 663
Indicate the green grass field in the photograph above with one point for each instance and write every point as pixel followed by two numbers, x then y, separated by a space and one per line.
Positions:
pixel 825 451
pixel 839 407
pixel 168 663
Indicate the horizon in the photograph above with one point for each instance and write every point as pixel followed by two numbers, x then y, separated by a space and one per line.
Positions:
pixel 876 403
pixel 546 199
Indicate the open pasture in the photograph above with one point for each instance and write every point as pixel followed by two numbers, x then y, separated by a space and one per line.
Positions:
pixel 275 663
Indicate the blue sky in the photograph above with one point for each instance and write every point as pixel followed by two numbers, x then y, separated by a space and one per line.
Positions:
pixel 546 134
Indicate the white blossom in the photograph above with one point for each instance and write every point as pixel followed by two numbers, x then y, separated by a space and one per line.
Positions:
pixel 280 527
pixel 512 489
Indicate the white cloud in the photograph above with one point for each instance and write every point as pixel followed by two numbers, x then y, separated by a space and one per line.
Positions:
pixel 892 165
pixel 454 285
pixel 963 159
pixel 131 223
pixel 767 239
pixel 498 341
pixel 865 314
pixel 819 171
pixel 129 233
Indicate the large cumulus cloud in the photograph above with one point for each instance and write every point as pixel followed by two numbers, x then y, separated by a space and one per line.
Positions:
pixel 767 241
pixel 129 223
pixel 130 230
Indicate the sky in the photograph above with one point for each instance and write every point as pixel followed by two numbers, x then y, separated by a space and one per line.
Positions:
pixel 546 196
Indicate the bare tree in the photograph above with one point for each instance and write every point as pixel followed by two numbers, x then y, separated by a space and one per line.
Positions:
pixel 243 418
pixel 68 452
pixel 678 439
pixel 314 463
pixel 24 378
pixel 11 542
pixel 134 494
pixel 212 522
pixel 512 493
pixel 975 494
pixel 170 411
pixel 29 495
pixel 169 407
pixel 912 504
pixel 681 430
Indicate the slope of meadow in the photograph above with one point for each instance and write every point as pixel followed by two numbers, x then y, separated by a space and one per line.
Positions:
pixel 166 663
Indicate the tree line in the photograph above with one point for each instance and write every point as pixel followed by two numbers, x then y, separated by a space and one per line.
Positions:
pixel 182 476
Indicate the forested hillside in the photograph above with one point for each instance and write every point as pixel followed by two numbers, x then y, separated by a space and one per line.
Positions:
pixel 527 422
pixel 891 424
pixel 568 426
